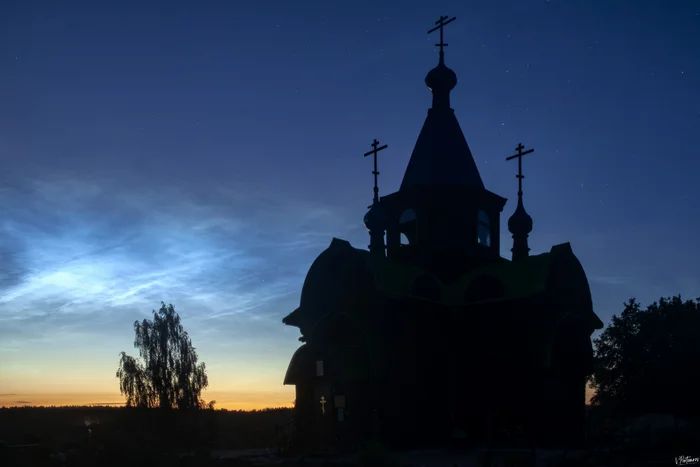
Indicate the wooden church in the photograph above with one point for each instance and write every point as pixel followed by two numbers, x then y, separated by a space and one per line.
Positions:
pixel 436 337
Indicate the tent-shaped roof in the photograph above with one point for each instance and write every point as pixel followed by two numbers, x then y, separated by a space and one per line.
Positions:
pixel 441 155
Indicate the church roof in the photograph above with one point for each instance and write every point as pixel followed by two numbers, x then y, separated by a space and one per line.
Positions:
pixel 519 280
pixel 345 281
pixel 343 274
pixel 441 155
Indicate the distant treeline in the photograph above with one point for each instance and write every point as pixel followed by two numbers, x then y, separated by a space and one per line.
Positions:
pixel 121 407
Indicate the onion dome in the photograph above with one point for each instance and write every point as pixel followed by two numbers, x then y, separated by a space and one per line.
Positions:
pixel 441 78
pixel 520 223
pixel 375 219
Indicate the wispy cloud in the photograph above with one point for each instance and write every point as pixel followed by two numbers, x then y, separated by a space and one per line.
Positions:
pixel 77 253
pixel 610 280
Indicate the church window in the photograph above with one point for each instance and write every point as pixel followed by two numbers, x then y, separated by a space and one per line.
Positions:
pixel 409 215
pixel 483 229
pixel 407 227
pixel 319 367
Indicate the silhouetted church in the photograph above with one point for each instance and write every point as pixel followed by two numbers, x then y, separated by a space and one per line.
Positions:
pixel 416 341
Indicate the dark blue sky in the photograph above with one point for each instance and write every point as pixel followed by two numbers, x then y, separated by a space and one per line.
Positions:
pixel 203 153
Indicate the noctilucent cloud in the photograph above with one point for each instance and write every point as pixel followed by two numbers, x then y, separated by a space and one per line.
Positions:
pixel 204 153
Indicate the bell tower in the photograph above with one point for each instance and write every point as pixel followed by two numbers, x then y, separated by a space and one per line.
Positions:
pixel 443 218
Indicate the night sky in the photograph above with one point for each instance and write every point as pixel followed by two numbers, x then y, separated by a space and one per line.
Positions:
pixel 204 153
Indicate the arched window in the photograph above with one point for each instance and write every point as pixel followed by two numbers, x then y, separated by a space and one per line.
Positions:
pixel 407 227
pixel 409 215
pixel 483 229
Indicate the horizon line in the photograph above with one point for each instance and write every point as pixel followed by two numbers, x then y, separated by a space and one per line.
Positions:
pixel 118 405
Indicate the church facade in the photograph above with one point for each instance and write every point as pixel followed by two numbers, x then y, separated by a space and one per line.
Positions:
pixel 431 335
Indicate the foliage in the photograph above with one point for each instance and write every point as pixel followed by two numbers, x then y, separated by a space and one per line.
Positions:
pixel 167 375
pixel 647 360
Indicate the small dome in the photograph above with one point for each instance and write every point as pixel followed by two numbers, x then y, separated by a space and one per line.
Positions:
pixel 520 222
pixel 375 219
pixel 441 78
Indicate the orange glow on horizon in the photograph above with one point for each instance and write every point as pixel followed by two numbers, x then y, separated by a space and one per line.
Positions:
pixel 232 400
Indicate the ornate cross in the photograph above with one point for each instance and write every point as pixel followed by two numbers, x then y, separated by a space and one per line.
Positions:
pixel 323 404
pixel 520 175
pixel 375 172
pixel 441 23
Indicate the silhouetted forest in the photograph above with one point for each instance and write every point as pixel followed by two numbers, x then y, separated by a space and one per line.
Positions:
pixel 647 360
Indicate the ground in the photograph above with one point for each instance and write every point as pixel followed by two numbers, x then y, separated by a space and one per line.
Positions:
pixel 118 437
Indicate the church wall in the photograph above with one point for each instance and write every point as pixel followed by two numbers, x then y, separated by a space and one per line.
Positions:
pixel 413 384
pixel 303 413
pixel 430 377
pixel 508 384
pixel 436 372
pixel 562 411
pixel 398 379
pixel 428 374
